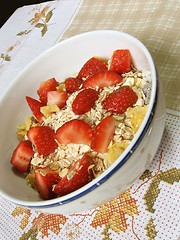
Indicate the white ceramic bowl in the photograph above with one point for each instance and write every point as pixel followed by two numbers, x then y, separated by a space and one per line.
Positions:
pixel 61 61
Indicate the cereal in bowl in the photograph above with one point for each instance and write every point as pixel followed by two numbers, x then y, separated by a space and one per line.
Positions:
pixel 80 126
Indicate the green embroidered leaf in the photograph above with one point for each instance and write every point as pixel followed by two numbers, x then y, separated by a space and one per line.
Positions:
pixel 2 55
pixel 23 32
pixel 48 16
pixel 39 25
pixel 44 30
pixel 106 233
pixel 150 229
pixel 171 175
pixel 146 174
pixel 31 234
pixel 151 194
pixel 7 58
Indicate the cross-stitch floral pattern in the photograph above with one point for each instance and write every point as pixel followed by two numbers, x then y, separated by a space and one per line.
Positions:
pixel 150 210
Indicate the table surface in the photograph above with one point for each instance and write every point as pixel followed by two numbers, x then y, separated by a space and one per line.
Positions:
pixel 150 208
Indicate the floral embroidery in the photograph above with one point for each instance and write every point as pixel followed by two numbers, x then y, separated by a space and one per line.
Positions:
pixel 6 57
pixel 113 214
pixel 40 20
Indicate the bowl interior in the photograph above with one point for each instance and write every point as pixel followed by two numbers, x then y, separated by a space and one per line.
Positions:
pixel 61 61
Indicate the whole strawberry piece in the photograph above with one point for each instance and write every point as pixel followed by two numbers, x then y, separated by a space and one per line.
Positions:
pixel 119 100
pixel 43 138
pixel 121 61
pixel 45 87
pixel 45 178
pixel 84 101
pixel 74 131
pixel 35 107
pixel 22 155
pixel 73 84
pixel 92 66
pixel 78 175
pixel 102 79
pixel 103 134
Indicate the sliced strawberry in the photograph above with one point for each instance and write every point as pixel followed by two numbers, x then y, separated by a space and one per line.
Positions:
pixel 45 178
pixel 45 87
pixel 43 138
pixel 73 84
pixel 57 97
pixel 84 101
pixel 103 134
pixel 74 131
pixel 121 61
pixel 78 175
pixel 92 66
pixel 35 107
pixel 119 100
pixel 102 79
pixel 22 155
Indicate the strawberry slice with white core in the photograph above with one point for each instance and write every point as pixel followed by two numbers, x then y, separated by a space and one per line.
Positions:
pixel 103 134
pixel 45 87
pixel 77 176
pixel 22 155
pixel 102 79
pixel 43 138
pixel 45 178
pixel 58 98
pixel 74 131
pixel 35 107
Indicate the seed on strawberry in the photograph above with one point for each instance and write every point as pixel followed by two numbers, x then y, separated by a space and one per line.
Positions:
pixel 73 84
pixel 102 79
pixel 121 61
pixel 119 100
pixel 92 66
pixel 84 101
pixel 43 138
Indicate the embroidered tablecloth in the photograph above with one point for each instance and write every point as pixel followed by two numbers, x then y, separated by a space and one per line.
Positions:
pixel 150 208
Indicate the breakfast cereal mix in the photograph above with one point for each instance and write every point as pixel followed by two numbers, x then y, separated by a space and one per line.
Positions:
pixel 80 126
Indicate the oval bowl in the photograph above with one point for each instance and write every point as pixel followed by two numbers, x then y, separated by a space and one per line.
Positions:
pixel 61 61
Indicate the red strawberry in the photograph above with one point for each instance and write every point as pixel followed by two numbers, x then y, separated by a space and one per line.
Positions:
pixel 35 106
pixel 103 134
pixel 43 138
pixel 119 100
pixel 74 131
pixel 92 66
pixel 45 178
pixel 45 87
pixel 77 176
pixel 121 61
pixel 22 155
pixel 57 97
pixel 73 84
pixel 84 101
pixel 102 79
